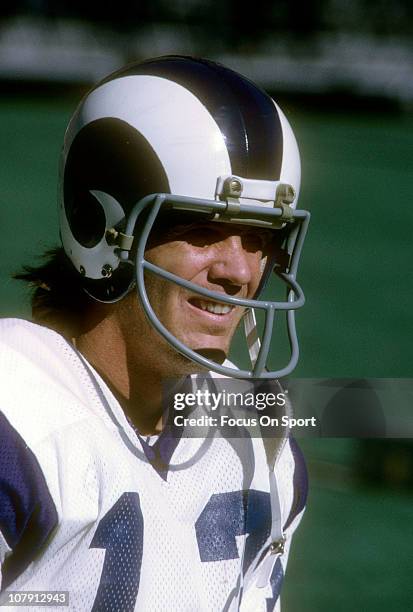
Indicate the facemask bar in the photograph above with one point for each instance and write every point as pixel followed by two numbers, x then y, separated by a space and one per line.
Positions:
pixel 219 211
pixel 295 243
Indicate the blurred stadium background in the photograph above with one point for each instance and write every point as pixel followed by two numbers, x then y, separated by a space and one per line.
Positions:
pixel 343 73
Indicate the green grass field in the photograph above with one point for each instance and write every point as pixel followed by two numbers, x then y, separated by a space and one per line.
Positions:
pixel 353 549
pixel 353 552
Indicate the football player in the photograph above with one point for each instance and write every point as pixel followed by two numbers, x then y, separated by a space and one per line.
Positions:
pixel 178 200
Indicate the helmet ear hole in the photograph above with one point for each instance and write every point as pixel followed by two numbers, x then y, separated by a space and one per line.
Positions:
pixel 86 219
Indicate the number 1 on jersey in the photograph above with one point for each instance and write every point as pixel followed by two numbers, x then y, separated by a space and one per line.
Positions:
pixel 120 533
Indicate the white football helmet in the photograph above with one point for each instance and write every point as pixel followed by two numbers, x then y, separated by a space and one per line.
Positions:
pixel 191 136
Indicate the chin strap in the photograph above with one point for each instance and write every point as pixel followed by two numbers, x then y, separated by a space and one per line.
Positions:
pixel 278 262
pixel 251 334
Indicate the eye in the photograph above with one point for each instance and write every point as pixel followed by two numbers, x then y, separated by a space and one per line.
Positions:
pixel 196 234
pixel 203 235
pixel 256 239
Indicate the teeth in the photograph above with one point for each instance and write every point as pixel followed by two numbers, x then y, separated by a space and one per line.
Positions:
pixel 215 308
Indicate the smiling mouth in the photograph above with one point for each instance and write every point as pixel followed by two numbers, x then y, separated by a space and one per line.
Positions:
pixel 212 307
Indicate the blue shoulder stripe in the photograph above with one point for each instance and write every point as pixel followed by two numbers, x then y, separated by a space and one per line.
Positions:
pixel 27 511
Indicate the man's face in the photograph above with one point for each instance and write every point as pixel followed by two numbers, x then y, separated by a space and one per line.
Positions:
pixel 221 257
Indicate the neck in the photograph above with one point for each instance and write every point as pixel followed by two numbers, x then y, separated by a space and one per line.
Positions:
pixel 136 385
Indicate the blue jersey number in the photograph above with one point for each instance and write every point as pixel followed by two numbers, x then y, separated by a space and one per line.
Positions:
pixel 120 532
pixel 225 516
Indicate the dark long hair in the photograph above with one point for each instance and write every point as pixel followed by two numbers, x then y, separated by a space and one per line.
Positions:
pixel 58 299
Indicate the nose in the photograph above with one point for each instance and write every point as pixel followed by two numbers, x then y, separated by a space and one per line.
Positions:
pixel 230 263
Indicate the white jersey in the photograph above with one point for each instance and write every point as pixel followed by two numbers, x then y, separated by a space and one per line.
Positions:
pixel 86 506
